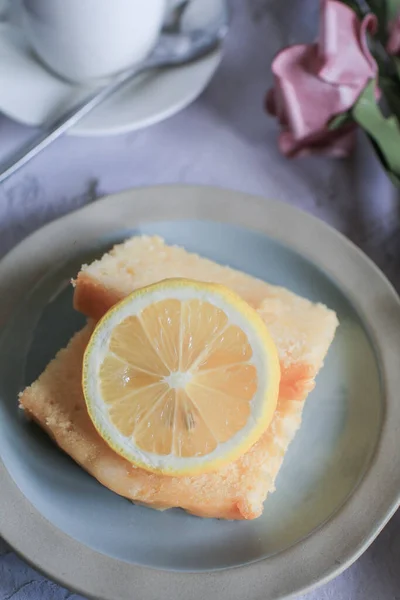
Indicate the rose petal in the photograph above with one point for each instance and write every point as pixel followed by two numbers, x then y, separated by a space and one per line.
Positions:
pixel 315 82
pixel 343 51
pixel 302 101
pixel 275 105
pixel 339 143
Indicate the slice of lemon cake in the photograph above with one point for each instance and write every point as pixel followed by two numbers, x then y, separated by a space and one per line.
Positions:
pixel 143 260
pixel 302 332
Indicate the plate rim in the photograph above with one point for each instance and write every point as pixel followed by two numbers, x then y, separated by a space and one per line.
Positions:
pixel 349 531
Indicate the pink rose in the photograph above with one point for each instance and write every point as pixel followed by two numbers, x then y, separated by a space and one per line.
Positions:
pixel 315 82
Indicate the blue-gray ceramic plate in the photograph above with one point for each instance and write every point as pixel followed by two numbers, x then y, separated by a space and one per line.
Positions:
pixel 340 481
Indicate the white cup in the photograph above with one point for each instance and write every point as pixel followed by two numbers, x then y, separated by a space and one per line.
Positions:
pixel 88 39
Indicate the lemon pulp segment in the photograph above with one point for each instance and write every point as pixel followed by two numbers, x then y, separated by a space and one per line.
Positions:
pixel 181 377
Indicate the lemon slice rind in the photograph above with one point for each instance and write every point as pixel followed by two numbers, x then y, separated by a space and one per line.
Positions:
pixel 264 358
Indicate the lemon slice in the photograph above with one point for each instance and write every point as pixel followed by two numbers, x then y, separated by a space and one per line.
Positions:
pixel 181 377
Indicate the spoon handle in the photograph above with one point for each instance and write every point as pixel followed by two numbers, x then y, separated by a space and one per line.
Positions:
pixel 73 115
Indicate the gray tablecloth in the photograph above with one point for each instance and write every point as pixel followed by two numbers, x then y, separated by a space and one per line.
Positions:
pixel 223 139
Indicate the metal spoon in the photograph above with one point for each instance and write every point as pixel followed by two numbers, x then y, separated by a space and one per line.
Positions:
pixel 188 44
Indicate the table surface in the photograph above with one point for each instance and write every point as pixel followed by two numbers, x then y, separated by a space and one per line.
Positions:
pixel 223 139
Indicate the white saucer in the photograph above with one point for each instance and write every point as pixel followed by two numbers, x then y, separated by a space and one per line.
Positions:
pixel 31 94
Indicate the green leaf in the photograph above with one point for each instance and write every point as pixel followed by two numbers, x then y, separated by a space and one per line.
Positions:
pixel 392 8
pixel 396 62
pixel 390 88
pixel 395 179
pixel 384 132
pixel 340 120
pixel 386 11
